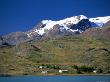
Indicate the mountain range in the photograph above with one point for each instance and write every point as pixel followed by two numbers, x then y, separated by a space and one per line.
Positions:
pixel 78 41
pixel 54 29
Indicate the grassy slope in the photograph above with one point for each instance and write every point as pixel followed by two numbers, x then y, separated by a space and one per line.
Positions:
pixel 68 50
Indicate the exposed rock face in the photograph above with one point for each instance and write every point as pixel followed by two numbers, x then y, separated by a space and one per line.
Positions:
pixel 14 38
pixel 1 40
pixel 82 25
pixel 107 24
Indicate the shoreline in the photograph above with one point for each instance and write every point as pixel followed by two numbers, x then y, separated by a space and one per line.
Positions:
pixel 7 75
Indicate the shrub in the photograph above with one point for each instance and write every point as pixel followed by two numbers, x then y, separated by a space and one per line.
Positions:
pixel 83 68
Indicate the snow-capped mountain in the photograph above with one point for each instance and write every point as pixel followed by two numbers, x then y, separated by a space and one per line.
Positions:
pixel 48 28
pixel 63 25
pixel 75 24
pixel 99 21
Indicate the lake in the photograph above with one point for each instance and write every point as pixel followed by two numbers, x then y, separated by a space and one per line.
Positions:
pixel 105 78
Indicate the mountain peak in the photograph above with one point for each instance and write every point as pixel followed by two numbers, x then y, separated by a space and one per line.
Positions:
pixel 49 24
pixel 68 19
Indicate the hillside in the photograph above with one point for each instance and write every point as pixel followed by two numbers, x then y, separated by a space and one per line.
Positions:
pixel 90 49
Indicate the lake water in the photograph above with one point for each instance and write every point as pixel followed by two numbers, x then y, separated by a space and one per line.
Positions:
pixel 56 79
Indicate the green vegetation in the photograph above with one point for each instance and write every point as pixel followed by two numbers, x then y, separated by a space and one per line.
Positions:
pixel 83 69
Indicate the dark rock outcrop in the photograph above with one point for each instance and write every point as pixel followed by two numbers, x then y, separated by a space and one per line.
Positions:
pixel 82 25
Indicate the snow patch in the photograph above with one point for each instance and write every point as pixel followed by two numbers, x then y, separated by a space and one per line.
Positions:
pixel 74 30
pixel 100 21
pixel 46 21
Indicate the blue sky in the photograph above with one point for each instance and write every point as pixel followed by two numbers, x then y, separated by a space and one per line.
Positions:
pixel 22 15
